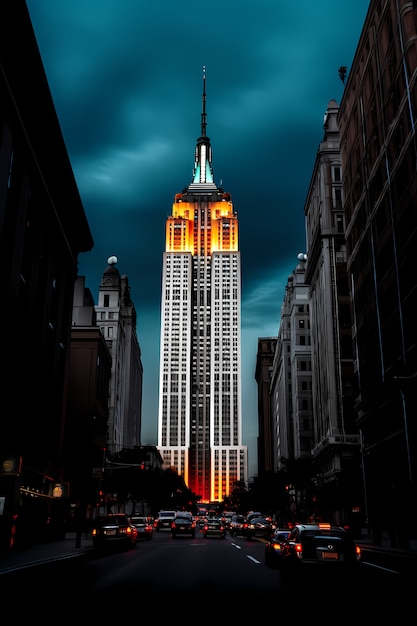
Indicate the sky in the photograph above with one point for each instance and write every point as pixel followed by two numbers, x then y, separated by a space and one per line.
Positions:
pixel 126 81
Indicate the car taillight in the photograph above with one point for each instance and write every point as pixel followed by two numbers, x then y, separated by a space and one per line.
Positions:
pixel 358 553
pixel 298 549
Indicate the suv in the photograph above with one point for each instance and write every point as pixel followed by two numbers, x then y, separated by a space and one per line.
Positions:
pixel 319 545
pixel 164 519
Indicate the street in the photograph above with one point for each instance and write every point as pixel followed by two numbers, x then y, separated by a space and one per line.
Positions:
pixel 168 575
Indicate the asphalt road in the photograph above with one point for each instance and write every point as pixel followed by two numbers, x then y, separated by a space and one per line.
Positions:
pixel 174 578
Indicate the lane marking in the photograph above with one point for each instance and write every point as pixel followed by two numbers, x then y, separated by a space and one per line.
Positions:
pixel 253 559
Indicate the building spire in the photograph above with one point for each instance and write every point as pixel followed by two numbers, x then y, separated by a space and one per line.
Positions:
pixel 203 179
pixel 204 114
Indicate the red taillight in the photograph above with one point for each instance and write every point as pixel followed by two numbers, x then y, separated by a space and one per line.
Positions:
pixel 298 548
pixel 358 552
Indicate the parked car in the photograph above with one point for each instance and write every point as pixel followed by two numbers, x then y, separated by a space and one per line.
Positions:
pixel 321 544
pixel 273 547
pixel 214 528
pixel 183 525
pixel 164 519
pixel 259 527
pixel 144 526
pixel 238 525
pixel 115 529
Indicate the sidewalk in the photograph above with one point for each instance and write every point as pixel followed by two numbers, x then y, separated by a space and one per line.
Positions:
pixel 49 551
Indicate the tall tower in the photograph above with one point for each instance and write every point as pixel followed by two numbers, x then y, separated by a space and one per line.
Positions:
pixel 200 407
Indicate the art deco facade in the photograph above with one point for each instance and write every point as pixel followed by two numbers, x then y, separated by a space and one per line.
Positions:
pixel 200 411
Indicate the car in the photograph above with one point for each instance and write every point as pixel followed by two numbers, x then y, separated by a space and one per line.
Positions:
pixel 114 529
pixel 144 526
pixel 226 518
pixel 201 520
pixel 273 547
pixel 253 514
pixel 238 525
pixel 164 519
pixel 183 525
pixel 322 545
pixel 214 527
pixel 259 527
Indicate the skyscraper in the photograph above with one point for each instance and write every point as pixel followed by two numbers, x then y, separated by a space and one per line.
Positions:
pixel 200 407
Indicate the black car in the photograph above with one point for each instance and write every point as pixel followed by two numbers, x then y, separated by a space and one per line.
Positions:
pixel 114 529
pixel 323 545
pixel 273 547
pixel 238 525
pixel 214 527
pixel 259 527
pixel 183 525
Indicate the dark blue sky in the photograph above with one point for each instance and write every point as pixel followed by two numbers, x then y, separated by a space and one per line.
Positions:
pixel 126 79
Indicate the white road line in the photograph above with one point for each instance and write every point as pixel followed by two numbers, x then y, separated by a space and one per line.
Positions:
pixel 253 559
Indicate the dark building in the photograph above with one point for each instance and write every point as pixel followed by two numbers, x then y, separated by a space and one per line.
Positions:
pixel 43 228
pixel 263 377
pixel 377 122
pixel 87 394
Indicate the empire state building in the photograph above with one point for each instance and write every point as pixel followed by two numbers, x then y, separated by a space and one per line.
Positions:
pixel 200 406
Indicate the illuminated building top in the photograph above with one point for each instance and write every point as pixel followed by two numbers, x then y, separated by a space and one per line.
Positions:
pixel 180 228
